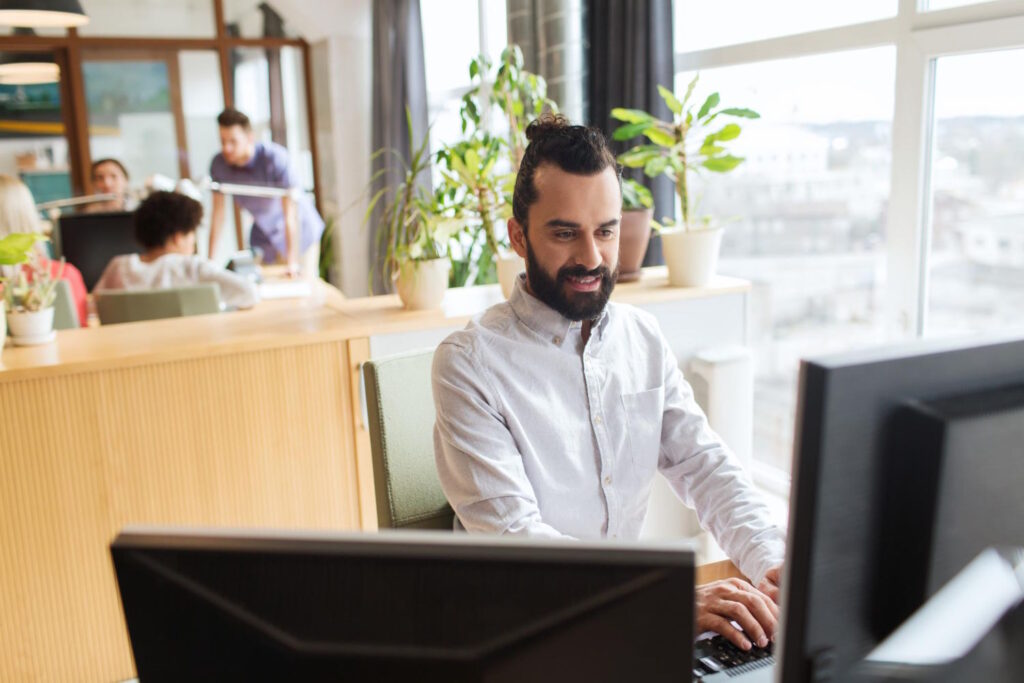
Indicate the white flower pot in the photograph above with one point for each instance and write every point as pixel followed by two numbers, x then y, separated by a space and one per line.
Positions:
pixel 31 327
pixel 510 265
pixel 691 255
pixel 421 284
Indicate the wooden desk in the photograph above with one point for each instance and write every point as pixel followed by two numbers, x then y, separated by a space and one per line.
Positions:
pixel 245 419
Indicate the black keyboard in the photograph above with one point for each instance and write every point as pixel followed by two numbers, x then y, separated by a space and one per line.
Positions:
pixel 714 655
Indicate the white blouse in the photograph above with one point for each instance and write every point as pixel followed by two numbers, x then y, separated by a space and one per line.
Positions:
pixel 177 270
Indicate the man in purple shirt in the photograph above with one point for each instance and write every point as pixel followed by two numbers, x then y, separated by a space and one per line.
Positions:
pixel 286 229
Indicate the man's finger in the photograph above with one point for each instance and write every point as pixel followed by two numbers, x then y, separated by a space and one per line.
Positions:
pixel 760 607
pixel 720 625
pixel 741 614
pixel 772 591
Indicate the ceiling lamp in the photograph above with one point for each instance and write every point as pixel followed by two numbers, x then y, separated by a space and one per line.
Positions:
pixel 42 13
pixel 27 68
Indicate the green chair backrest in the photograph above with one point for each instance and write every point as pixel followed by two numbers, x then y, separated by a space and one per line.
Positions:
pixel 125 306
pixel 400 412
pixel 65 315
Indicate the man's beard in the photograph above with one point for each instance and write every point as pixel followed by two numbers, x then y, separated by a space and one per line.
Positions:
pixel 552 291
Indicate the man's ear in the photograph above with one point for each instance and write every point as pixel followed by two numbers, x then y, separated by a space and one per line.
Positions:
pixel 517 237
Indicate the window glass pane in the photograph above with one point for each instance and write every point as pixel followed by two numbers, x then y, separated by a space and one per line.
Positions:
pixel 270 89
pixel 255 19
pixel 804 215
pixel 700 24
pixel 155 18
pixel 130 114
pixel 976 259
pixel 202 99
pixel 32 142
pixel 451 38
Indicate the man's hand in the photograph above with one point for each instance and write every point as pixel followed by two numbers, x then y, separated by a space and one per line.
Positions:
pixel 721 602
pixel 770 583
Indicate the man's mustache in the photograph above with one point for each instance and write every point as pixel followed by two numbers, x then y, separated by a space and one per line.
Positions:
pixel 579 271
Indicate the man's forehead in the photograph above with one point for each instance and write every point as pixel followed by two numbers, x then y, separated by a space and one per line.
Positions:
pixel 548 176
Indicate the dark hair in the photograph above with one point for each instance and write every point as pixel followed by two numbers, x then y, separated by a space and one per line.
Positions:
pixel 100 162
pixel 574 149
pixel 163 215
pixel 232 117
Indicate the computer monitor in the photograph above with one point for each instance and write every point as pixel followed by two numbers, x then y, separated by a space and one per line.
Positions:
pixel 423 606
pixel 89 240
pixel 907 463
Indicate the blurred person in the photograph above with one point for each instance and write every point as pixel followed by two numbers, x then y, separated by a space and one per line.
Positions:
pixel 165 226
pixel 18 214
pixel 287 230
pixel 109 176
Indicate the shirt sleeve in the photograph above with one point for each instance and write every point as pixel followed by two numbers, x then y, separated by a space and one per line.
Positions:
pixel 480 468
pixel 235 290
pixel 709 477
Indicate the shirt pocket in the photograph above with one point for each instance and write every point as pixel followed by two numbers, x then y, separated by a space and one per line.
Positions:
pixel 643 412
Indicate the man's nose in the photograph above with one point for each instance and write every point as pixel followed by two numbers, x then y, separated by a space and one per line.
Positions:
pixel 587 254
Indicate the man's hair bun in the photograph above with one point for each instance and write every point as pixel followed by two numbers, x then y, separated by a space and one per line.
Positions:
pixel 546 124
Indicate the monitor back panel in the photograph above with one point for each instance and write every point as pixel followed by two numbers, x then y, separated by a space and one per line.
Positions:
pixel 90 240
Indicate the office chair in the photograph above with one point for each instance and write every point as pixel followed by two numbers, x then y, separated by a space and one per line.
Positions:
pixel 400 411
pixel 65 315
pixel 125 306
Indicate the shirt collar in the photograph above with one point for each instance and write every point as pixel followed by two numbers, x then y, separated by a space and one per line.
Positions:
pixel 544 320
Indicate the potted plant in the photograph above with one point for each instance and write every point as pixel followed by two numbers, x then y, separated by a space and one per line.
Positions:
pixel 475 191
pixel 634 229
pixel 28 300
pixel 413 236
pixel 520 96
pixel 684 145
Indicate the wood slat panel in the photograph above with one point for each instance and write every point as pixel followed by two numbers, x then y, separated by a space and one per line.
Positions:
pixel 251 439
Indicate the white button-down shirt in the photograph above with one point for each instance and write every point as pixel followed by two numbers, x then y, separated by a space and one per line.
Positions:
pixel 541 434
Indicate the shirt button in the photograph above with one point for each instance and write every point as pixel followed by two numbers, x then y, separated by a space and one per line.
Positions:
pixel 557 340
pixel 608 480
pixel 598 420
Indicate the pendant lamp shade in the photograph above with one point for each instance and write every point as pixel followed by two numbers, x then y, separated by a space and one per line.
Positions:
pixel 27 69
pixel 42 13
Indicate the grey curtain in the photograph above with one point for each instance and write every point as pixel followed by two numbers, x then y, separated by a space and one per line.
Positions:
pixel 629 54
pixel 399 83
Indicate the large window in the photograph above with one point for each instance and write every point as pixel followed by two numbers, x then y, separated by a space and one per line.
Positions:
pixel 882 193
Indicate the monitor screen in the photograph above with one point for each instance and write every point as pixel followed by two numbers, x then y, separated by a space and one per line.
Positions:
pixel 89 240
pixel 419 606
pixel 907 461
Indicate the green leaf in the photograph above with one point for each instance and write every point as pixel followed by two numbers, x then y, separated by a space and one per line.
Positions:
pixel 630 130
pixel 16 247
pixel 660 137
pixel 710 103
pixel 711 150
pixel 472 160
pixel 722 164
pixel 633 159
pixel 689 89
pixel 670 99
pixel 655 166
pixel 729 131
pixel 474 69
pixel 631 115
pixel 741 112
